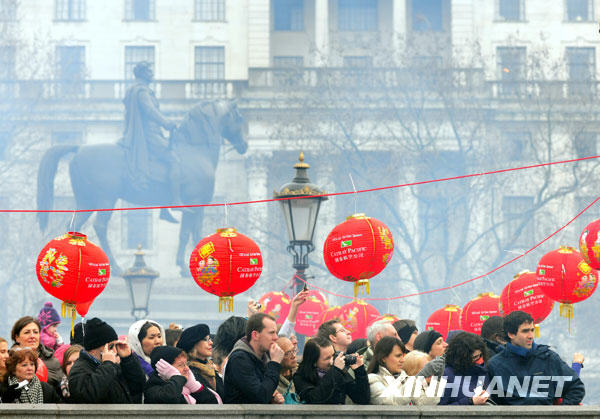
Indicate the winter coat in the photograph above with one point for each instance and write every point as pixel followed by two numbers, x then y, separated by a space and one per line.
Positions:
pixel 472 376
pixel 159 391
pixel 9 395
pixel 493 347
pixel 540 360
pixel 387 389
pixel 434 368
pixel 249 379
pixel 91 381
pixel 55 372
pixel 207 397
pixel 50 342
pixel 333 387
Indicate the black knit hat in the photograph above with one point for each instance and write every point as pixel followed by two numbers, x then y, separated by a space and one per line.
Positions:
pixel 168 353
pixel 425 340
pixel 192 335
pixel 405 329
pixel 97 333
pixel 77 335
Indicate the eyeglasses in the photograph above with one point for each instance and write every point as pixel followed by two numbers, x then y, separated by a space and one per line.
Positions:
pixel 289 354
pixel 342 330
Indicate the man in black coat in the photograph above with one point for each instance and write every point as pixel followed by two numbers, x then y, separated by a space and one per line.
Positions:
pixel 526 373
pixel 252 370
pixel 106 371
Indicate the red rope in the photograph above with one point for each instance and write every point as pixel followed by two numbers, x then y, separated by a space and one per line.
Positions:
pixel 260 201
pixel 468 280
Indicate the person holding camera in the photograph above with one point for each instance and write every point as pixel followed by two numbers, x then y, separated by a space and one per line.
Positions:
pixel 322 376
pixel 20 384
pixel 106 371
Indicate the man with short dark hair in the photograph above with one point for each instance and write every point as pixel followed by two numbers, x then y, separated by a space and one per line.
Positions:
pixel 337 334
pixel 252 370
pixel 526 373
pixel 492 332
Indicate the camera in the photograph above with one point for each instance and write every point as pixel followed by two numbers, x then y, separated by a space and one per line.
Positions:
pixel 348 359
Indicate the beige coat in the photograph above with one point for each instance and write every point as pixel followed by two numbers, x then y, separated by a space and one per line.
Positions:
pixel 385 389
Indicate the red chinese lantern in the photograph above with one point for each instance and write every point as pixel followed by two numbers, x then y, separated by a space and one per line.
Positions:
pixel 358 249
pixel 524 293
pixel 319 296
pixel 41 371
pixel 276 304
pixel 444 320
pixel 309 316
pixel 330 314
pixel 565 277
pixel 589 244
pixel 225 264
pixel 355 317
pixel 478 310
pixel 384 317
pixel 83 308
pixel 74 270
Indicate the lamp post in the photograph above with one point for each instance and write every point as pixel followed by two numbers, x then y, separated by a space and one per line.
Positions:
pixel 300 218
pixel 139 280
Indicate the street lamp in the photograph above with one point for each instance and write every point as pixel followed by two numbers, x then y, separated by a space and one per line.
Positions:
pixel 139 279
pixel 300 217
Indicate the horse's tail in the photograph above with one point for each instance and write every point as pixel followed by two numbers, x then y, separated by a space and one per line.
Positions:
pixel 45 181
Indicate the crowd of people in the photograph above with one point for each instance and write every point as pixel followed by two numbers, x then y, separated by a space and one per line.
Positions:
pixel 253 360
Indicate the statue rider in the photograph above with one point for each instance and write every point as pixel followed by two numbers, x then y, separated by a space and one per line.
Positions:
pixel 143 138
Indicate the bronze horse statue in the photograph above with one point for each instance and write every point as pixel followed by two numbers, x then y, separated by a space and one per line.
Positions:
pixel 100 175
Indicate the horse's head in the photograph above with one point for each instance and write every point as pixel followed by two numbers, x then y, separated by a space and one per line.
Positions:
pixel 220 119
pixel 233 125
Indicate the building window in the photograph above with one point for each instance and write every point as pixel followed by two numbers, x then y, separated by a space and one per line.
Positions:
pixel 8 10
pixel 209 10
pixel 357 15
pixel 426 15
pixel 518 221
pixel 70 10
pixel 70 70
pixel 67 137
pixel 511 10
pixel 581 64
pixel 288 15
pixel 579 10
pixel 585 144
pixel 511 70
pixel 134 55
pixel 516 145
pixel 136 229
pixel 209 64
pixel 139 10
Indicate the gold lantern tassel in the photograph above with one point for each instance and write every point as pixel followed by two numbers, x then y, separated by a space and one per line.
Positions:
pixel 361 285
pixel 226 303
pixel 536 332
pixel 69 310
pixel 566 310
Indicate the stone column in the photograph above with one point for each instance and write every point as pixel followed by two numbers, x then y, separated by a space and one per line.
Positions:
pixel 259 31
pixel 399 25
pixel 321 32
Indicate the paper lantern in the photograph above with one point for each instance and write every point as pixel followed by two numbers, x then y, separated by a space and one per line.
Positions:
pixel 358 249
pixel 477 311
pixel 356 315
pixel 524 293
pixel 331 313
pixel 309 316
pixel 276 304
pixel 83 308
pixel 41 371
pixel 589 244
pixel 74 270
pixel 225 264
pixel 319 296
pixel 565 277
pixel 384 317
pixel 444 320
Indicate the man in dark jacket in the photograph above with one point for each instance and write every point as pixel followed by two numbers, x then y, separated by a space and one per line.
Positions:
pixel 526 373
pixel 252 370
pixel 492 332
pixel 106 372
